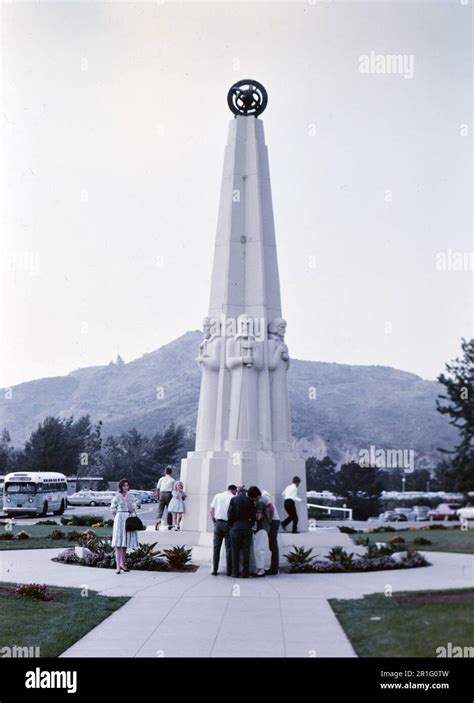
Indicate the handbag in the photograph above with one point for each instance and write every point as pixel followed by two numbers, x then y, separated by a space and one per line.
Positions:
pixel 134 524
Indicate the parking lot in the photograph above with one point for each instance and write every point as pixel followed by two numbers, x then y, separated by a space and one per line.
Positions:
pixel 147 513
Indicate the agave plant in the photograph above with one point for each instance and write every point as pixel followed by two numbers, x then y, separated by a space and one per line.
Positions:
pixel 364 542
pixel 178 557
pixel 146 551
pixel 339 555
pixel 300 560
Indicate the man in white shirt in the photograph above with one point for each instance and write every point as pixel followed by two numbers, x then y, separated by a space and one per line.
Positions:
pixel 290 494
pixel 219 508
pixel 164 489
pixel 274 518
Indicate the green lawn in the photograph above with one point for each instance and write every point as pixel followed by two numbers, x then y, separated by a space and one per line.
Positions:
pixel 408 624
pixel 55 625
pixel 442 540
pixel 39 536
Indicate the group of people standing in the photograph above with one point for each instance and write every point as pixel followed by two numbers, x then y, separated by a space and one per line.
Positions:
pixel 243 518
pixel 171 495
pixel 248 517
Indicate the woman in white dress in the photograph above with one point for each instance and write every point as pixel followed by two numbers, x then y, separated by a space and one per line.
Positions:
pixel 123 505
pixel 176 506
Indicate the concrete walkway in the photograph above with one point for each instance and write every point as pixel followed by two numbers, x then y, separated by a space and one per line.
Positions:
pixel 199 615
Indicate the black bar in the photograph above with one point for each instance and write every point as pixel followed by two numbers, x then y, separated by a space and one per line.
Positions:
pixel 97 679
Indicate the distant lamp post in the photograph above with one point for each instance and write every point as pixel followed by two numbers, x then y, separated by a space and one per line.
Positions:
pixel 403 484
pixel 427 486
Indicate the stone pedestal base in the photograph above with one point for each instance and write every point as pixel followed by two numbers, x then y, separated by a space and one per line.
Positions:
pixel 206 473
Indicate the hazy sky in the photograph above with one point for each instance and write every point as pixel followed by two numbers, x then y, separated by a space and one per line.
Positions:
pixel 115 119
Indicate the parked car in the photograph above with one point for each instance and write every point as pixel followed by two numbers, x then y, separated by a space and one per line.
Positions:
pixel 91 498
pixel 145 496
pixel 422 512
pixel 388 516
pixel 404 514
pixel 138 497
pixel 151 496
pixel 466 513
pixel 445 511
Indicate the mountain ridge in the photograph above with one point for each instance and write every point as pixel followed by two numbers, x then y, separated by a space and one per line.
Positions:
pixel 354 405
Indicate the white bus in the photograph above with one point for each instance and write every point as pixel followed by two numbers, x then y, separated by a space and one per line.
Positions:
pixel 34 492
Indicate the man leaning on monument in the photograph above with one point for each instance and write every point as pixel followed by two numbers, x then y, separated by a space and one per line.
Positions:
pixel 164 489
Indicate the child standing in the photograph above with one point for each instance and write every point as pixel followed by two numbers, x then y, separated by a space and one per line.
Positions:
pixel 176 506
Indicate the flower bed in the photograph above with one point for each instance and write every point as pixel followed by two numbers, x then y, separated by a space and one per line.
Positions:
pixel 101 555
pixel 301 561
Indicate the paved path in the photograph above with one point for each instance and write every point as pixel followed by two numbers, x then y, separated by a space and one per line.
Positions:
pixel 197 614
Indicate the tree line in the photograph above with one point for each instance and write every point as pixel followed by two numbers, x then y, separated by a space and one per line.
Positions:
pixel 77 448
pixel 361 486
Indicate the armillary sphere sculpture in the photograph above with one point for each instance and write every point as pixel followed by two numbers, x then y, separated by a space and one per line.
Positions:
pixel 247 97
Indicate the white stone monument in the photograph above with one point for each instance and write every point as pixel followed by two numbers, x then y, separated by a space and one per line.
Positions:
pixel 243 431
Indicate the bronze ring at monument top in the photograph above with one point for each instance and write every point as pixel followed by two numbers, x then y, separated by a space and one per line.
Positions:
pixel 247 97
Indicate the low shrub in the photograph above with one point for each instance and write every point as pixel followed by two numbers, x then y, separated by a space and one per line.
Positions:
pixel 57 534
pixel 146 558
pixel 46 522
pixel 6 536
pixel 421 541
pixel 413 559
pixel 69 556
pixel 340 556
pixel 36 591
pixel 100 560
pixel 146 551
pixel 363 542
pixel 177 557
pixel 300 560
pixel 324 567
pixel 147 563
pixel 74 536
pixel 360 564
pixel 106 560
pixel 23 534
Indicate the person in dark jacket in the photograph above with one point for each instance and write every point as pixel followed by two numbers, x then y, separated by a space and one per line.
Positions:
pixel 240 518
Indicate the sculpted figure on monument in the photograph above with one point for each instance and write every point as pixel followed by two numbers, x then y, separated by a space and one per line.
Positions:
pixel 244 359
pixel 278 363
pixel 209 361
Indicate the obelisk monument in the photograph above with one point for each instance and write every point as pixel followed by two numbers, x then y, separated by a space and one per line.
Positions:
pixel 243 433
